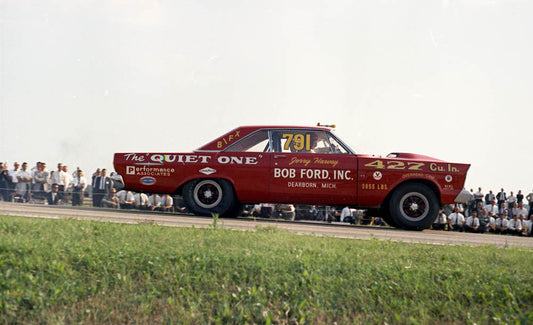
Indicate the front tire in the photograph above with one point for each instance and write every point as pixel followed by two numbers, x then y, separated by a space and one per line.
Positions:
pixel 413 206
pixel 207 196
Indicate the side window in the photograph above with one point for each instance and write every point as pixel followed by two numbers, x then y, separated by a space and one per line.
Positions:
pixel 320 143
pixel 256 142
pixel 301 141
pixel 290 141
pixel 278 142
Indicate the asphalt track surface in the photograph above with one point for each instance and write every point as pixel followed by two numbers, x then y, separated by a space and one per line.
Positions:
pixel 340 230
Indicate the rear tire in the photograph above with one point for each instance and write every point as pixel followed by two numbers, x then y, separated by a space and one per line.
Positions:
pixel 413 206
pixel 208 196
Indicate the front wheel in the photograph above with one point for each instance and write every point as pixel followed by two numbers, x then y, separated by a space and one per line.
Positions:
pixel 207 196
pixel 413 206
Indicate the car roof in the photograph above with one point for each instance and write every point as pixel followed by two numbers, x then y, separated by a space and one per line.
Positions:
pixel 240 132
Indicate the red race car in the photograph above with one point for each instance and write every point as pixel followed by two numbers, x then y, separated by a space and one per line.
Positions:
pixel 294 164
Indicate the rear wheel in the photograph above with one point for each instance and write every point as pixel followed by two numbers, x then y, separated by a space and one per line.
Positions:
pixel 207 196
pixel 413 206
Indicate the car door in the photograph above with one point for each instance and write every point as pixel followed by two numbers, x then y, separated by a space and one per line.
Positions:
pixel 308 166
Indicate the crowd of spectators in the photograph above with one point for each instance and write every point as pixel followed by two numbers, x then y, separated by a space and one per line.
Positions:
pixel 486 213
pixel 60 187
pixel 490 213
pixel 320 213
pixel 38 184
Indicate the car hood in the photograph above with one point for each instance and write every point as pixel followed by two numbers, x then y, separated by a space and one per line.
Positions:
pixel 404 155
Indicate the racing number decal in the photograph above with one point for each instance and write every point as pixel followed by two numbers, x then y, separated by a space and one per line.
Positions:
pixel 415 166
pixel 395 165
pixel 301 141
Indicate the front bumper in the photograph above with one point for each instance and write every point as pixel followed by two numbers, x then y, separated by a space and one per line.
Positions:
pixel 463 197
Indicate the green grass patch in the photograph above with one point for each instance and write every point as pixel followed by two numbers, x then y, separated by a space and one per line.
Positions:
pixel 70 271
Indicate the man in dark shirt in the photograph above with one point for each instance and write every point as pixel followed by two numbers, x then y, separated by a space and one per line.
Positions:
pixel 54 197
pixel 5 183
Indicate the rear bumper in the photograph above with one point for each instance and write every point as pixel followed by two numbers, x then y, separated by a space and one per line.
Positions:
pixel 463 197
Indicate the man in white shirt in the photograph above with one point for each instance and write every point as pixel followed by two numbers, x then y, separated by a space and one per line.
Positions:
pixel 346 212
pixel 456 220
pixel 67 181
pixel 478 196
pixel 24 179
pixel 13 175
pixel 515 226
pixel 140 201
pixel 58 178
pixel 78 185
pixel 126 199
pixel 492 207
pixel 502 225
pixel 154 202
pixel 40 181
pixel 511 201
pixel 440 222
pixel 472 223
pixel 167 203
pixel 520 210
pixel 526 226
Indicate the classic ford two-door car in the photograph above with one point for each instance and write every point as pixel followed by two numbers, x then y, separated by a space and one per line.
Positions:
pixel 293 164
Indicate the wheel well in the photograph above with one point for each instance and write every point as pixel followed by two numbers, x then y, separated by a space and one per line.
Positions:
pixel 429 184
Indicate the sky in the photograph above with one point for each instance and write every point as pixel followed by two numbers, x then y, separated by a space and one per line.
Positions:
pixel 452 79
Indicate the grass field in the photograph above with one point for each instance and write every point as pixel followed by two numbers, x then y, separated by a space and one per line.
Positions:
pixel 70 271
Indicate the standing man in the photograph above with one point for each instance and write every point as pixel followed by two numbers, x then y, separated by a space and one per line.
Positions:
pixel 40 180
pixel 13 175
pixel 489 197
pixel 478 196
pixel 5 182
pixel 511 201
pixel 24 183
pixel 78 185
pixel 529 199
pixel 502 198
pixel 101 186
pixel 59 178
pixel 67 181
pixel 95 185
